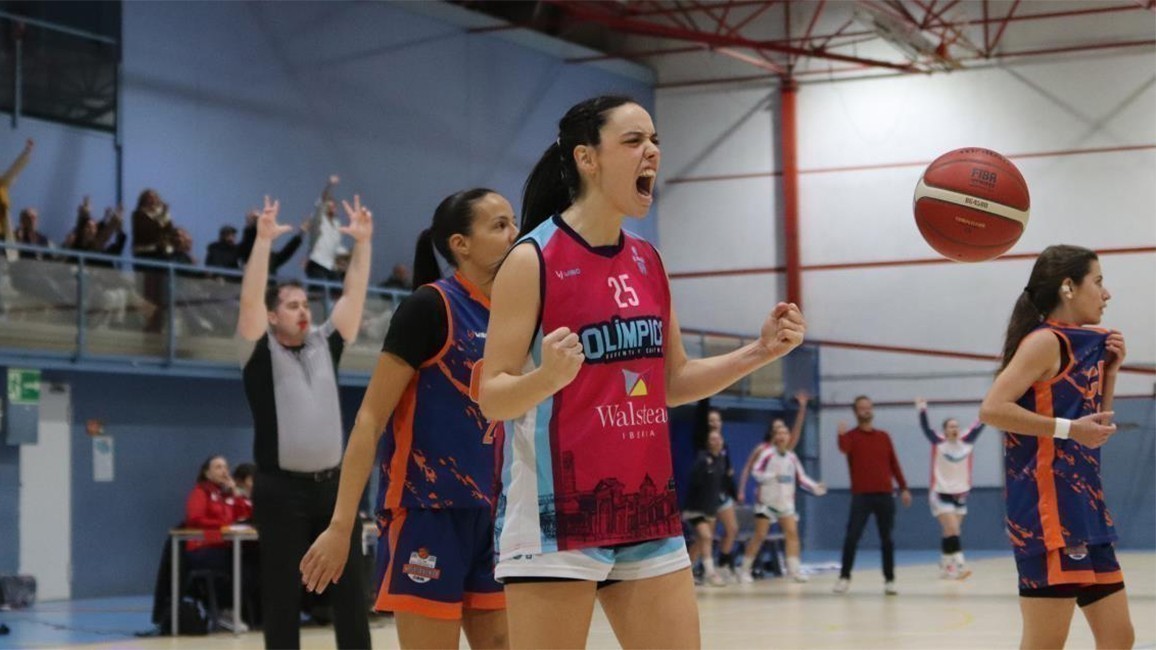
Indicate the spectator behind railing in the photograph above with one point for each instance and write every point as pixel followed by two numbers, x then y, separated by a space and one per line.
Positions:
pixel 106 237
pixel 400 278
pixel 28 234
pixel 9 177
pixel 154 237
pixel 325 247
pixel 277 258
pixel 224 253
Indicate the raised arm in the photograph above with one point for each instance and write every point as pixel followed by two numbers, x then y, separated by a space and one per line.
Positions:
pixel 18 165
pixel 844 439
pixel 925 424
pixel 800 419
pixel 1037 360
pixel 973 432
pixel 253 319
pixel 689 380
pixel 507 389
pixel 347 312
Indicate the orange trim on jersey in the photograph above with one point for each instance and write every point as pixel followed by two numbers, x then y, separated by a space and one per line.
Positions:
pixel 449 328
pixel 1065 341
pixel 1045 478
pixel 1072 326
pixel 462 388
pixel 1058 576
pixel 395 525
pixel 473 290
pixel 495 600
pixel 418 605
pixel 403 440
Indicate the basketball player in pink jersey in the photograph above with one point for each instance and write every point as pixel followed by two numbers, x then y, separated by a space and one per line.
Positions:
pixel 438 484
pixel 951 457
pixel 588 508
pixel 1053 399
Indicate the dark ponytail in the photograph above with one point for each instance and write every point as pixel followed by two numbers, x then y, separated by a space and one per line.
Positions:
pixel 425 264
pixel 454 216
pixel 554 183
pixel 1041 296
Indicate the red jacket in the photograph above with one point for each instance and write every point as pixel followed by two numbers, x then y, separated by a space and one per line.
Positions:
pixel 872 461
pixel 209 508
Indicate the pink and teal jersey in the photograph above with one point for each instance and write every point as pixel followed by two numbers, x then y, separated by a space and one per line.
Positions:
pixel 1053 492
pixel 591 465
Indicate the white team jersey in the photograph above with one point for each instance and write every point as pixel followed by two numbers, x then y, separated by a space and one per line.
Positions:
pixel 951 466
pixel 777 474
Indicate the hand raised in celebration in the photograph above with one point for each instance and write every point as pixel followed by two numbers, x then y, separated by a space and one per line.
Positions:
pixel 360 226
pixel 783 329
pixel 267 226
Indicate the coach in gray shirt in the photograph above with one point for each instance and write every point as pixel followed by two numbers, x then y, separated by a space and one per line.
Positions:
pixel 291 382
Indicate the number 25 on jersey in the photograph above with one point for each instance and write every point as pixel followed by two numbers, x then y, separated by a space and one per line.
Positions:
pixel 624 294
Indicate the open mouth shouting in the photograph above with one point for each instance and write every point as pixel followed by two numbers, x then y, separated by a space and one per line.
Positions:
pixel 644 184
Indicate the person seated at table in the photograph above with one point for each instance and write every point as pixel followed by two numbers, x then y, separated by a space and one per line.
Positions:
pixel 214 503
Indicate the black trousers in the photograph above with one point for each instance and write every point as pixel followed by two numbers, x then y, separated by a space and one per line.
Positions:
pixel 862 507
pixel 290 513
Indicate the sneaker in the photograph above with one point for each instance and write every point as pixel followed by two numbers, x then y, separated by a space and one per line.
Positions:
pixel 948 572
pixel 715 580
pixel 889 588
pixel 962 572
pixel 225 620
pixel 798 577
pixel 842 585
pixel 745 578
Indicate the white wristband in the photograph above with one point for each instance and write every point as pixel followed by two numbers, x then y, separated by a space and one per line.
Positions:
pixel 1063 426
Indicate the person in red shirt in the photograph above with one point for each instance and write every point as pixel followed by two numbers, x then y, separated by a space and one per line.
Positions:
pixel 213 504
pixel 216 502
pixel 873 465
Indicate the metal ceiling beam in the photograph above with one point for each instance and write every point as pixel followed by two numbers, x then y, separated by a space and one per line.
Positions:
pixel 580 11
pixel 1003 26
pixel 662 11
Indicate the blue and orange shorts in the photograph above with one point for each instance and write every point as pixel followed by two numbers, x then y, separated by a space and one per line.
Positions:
pixel 1074 572
pixel 437 562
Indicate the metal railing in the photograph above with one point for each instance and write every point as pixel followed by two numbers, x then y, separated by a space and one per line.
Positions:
pixel 68 309
pixel 73 309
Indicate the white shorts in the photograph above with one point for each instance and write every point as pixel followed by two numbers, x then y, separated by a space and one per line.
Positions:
pixel 947 504
pixel 726 504
pixel 767 512
pixel 631 562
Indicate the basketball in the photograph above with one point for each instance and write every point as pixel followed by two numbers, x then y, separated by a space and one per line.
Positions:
pixel 971 204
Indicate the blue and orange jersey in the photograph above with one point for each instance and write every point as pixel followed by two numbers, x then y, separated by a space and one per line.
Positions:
pixel 591 465
pixel 1053 492
pixel 438 449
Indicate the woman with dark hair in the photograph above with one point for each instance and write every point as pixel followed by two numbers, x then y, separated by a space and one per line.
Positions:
pixel 436 497
pixel 588 509
pixel 211 506
pixel 154 237
pixel 706 487
pixel 1053 399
